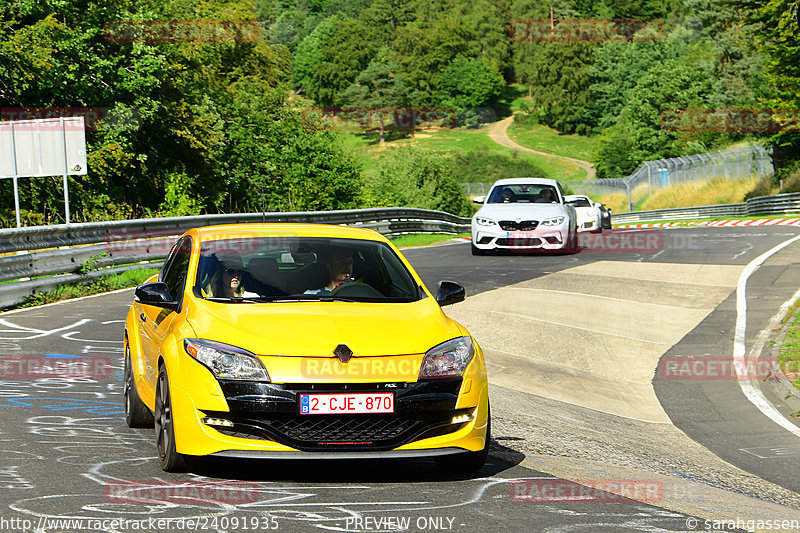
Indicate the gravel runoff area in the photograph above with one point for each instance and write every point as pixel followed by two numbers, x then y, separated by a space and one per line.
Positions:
pixel 539 427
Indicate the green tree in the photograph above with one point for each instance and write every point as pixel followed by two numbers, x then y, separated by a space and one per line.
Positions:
pixel 776 33
pixel 469 84
pixel 309 55
pixel 377 89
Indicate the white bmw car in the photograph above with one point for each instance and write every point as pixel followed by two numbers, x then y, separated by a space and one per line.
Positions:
pixel 589 215
pixel 524 214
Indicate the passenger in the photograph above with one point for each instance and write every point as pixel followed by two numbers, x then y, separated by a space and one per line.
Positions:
pixel 545 196
pixel 231 276
pixel 340 270
pixel 508 196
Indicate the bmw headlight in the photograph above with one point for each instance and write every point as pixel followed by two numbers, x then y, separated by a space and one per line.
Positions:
pixel 483 221
pixel 555 221
pixel 226 361
pixel 448 359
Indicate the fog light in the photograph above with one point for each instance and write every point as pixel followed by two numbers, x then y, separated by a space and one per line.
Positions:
pixel 460 419
pixel 217 422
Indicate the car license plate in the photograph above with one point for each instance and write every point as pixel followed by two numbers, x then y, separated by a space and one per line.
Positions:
pixel 357 402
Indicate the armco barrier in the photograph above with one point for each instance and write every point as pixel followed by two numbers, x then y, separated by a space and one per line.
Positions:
pixel 779 204
pixel 54 255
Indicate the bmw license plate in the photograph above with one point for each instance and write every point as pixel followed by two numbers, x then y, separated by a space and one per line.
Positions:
pixel 356 402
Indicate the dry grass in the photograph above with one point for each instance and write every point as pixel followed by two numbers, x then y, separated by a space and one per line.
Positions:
pixel 617 202
pixel 718 191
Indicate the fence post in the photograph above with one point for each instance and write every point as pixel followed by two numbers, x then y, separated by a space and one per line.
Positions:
pixel 628 189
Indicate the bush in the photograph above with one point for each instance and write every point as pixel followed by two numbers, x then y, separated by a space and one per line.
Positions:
pixel 416 178
pixel 791 183
pixel 764 187
pixel 480 167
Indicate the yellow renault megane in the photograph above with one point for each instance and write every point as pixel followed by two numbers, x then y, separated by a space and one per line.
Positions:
pixel 301 341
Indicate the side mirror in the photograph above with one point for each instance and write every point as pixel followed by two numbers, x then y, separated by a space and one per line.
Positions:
pixel 450 292
pixel 155 294
pixel 479 200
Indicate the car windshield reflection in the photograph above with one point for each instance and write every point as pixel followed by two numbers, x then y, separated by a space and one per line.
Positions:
pixel 288 269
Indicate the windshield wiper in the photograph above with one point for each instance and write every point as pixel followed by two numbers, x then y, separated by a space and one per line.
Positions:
pixel 251 299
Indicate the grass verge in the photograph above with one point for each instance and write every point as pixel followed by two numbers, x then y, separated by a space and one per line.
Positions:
pixel 409 241
pixel 107 283
pixel 545 139
pixel 789 352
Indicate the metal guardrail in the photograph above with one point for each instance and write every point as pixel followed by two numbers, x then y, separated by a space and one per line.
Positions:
pixel 58 253
pixel 779 204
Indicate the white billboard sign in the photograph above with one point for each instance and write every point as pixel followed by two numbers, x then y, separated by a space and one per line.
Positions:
pixel 43 147
pixel 37 148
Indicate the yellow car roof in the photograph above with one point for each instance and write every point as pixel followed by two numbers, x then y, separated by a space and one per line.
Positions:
pixel 270 229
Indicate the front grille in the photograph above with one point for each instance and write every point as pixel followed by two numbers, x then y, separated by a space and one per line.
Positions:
pixel 271 411
pixel 533 241
pixel 317 432
pixel 524 225
pixel 339 428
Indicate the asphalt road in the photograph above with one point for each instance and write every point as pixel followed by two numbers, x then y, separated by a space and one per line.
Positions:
pixel 67 453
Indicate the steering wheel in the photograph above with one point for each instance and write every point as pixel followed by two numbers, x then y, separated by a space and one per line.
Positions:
pixel 357 289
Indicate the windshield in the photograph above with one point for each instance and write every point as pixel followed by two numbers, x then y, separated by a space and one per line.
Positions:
pixel 272 269
pixel 523 193
pixel 581 202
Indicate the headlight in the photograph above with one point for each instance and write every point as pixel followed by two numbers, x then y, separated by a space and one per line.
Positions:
pixel 448 359
pixel 556 221
pixel 483 221
pixel 225 361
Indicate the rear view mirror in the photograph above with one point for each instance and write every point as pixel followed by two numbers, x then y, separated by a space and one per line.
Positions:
pixel 478 199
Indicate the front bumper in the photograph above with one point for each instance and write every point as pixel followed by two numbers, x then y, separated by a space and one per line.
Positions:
pixel 266 422
pixel 494 238
pixel 591 226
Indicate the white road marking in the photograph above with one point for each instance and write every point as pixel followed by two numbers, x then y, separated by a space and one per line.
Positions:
pixel 598 296
pixel 752 392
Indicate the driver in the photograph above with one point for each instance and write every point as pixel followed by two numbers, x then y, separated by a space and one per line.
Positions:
pixel 340 269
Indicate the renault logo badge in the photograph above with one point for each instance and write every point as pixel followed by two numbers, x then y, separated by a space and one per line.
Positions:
pixel 343 353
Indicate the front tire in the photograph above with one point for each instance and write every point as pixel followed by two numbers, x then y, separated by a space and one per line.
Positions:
pixel 571 246
pixel 168 457
pixel 468 462
pixel 477 251
pixel 137 415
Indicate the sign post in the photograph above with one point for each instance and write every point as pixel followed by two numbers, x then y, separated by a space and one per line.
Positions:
pixel 43 147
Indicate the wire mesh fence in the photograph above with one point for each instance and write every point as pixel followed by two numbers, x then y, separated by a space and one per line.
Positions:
pixel 731 164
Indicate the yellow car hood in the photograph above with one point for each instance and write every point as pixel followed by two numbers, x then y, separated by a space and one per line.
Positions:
pixel 316 328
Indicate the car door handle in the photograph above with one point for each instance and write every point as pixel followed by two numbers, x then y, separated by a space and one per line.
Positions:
pixel 142 317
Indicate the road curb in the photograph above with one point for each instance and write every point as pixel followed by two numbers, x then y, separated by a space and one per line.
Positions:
pixel 717 223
